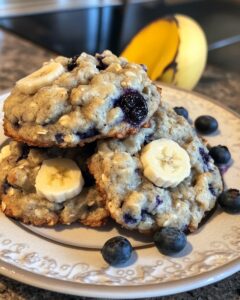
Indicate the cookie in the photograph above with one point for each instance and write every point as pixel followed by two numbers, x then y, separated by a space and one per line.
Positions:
pixel 75 101
pixel 26 197
pixel 162 176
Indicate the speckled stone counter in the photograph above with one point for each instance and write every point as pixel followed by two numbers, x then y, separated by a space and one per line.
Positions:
pixel 18 58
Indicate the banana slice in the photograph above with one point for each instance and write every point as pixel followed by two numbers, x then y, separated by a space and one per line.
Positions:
pixel 42 77
pixel 5 152
pixel 59 179
pixel 165 163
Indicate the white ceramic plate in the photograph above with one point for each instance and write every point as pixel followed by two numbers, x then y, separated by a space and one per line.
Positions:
pixel 93 238
pixel 212 253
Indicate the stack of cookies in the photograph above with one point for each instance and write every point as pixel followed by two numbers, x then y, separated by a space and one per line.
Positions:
pixel 91 139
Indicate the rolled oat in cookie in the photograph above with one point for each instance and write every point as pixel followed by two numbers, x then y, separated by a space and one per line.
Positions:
pixel 73 101
pixel 162 176
pixel 58 199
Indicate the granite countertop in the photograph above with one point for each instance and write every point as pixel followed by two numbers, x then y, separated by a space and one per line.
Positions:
pixel 18 58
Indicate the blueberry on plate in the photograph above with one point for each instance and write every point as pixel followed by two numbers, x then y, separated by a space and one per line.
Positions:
pixel 220 154
pixel 206 124
pixel 181 111
pixel 117 250
pixel 229 200
pixel 169 240
pixel 134 107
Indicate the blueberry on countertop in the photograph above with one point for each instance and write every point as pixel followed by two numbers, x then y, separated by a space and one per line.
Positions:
pixel 229 200
pixel 220 154
pixel 117 250
pixel 134 107
pixel 206 124
pixel 169 240
pixel 181 111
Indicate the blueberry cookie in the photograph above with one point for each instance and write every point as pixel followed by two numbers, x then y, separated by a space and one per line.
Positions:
pixel 74 101
pixel 44 187
pixel 162 176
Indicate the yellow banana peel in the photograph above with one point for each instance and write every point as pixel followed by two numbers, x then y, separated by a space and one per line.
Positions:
pixel 173 48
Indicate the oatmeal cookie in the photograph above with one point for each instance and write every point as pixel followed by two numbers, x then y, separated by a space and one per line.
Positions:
pixel 20 167
pixel 162 176
pixel 74 101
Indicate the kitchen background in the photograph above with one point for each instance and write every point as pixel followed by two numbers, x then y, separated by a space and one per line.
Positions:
pixel 69 27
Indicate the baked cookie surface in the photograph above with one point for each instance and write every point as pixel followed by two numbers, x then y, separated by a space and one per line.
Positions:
pixel 74 101
pixel 20 166
pixel 162 176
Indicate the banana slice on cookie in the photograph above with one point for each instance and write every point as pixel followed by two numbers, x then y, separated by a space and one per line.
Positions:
pixel 59 179
pixel 42 77
pixel 165 163
pixel 5 152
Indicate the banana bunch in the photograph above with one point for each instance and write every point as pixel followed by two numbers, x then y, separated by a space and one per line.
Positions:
pixel 59 179
pixel 174 49
pixel 165 163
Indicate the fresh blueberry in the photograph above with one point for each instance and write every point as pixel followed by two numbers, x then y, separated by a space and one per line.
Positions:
pixel 128 219
pixel 169 240
pixel 59 138
pixel 72 63
pixel 220 154
pixel 206 124
pixel 117 250
pixel 181 111
pixel 229 200
pixel 101 65
pixel 134 107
